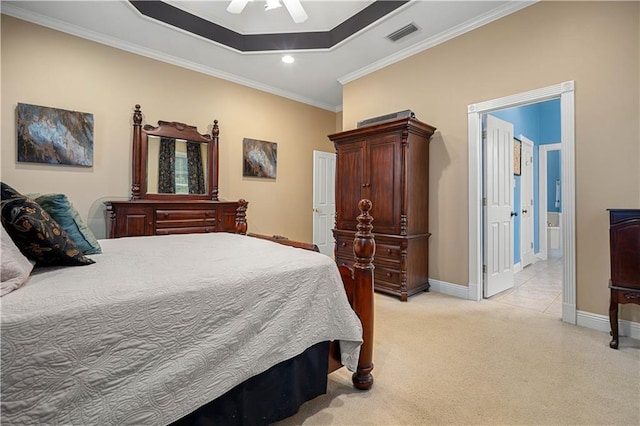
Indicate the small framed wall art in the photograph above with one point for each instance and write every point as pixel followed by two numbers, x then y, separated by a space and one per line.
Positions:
pixel 54 136
pixel 517 149
pixel 259 158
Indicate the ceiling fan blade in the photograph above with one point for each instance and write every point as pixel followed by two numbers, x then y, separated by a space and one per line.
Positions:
pixel 237 6
pixel 296 10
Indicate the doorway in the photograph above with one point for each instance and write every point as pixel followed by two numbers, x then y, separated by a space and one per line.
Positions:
pixel 324 200
pixel 564 91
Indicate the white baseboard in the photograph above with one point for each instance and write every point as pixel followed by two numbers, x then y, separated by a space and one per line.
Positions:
pixel 584 319
pixel 601 323
pixel 517 267
pixel 449 289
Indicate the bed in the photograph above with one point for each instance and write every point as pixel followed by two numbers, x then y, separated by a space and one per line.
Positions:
pixel 186 329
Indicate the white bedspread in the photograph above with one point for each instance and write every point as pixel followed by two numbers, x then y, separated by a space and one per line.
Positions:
pixel 159 326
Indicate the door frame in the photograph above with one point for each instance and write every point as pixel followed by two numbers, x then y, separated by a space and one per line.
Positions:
pixel 566 92
pixel 526 141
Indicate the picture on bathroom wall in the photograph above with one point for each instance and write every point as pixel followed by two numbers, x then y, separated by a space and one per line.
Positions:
pixel 259 158
pixel 517 149
pixel 54 136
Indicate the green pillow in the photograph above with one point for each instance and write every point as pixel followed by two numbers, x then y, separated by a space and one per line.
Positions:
pixel 63 212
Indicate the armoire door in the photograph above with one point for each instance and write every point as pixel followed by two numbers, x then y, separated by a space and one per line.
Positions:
pixel 350 181
pixel 384 164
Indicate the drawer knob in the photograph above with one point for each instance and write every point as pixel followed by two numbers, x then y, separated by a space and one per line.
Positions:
pixel 389 274
pixel 343 244
pixel 388 251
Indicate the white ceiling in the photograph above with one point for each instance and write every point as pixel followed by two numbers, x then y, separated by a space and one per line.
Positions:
pixel 315 78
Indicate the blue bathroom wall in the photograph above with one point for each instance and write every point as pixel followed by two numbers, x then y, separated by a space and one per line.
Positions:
pixel 540 123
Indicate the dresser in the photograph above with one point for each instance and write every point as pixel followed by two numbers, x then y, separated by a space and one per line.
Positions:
pixel 163 200
pixel 387 163
pixel 152 217
pixel 624 246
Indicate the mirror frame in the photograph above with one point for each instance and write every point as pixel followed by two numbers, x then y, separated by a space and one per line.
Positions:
pixel 175 130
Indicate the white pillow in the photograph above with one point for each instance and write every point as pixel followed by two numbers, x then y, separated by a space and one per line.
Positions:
pixel 15 266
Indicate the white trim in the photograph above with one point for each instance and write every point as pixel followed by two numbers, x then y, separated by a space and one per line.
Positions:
pixel 543 150
pixel 517 267
pixel 566 93
pixel 500 12
pixel 601 323
pixel 526 141
pixel 442 287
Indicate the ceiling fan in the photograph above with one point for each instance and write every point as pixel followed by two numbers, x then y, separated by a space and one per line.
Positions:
pixel 293 6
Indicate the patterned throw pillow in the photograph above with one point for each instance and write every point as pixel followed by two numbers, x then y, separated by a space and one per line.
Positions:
pixel 62 211
pixel 35 233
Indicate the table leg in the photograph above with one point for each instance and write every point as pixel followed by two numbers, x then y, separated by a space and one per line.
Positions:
pixel 613 320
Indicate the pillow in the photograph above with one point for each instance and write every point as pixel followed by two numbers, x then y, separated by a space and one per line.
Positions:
pixel 35 233
pixel 63 212
pixel 15 267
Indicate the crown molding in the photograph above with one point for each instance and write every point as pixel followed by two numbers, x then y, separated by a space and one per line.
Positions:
pixel 497 13
pixel 74 30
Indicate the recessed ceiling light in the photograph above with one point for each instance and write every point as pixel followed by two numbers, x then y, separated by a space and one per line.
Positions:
pixel 288 59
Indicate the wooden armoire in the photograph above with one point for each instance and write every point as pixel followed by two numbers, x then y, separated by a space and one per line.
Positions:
pixel 387 163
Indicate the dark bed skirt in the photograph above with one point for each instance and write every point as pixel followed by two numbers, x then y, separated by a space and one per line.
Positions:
pixel 270 396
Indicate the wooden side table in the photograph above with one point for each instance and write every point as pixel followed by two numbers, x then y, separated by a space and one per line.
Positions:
pixel 624 240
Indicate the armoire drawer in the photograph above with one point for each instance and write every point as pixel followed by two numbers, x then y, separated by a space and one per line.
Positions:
pixel 344 247
pixel 387 275
pixel 388 252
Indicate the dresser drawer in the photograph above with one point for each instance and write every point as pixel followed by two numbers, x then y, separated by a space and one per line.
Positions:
pixel 189 220
pixel 185 230
pixel 185 214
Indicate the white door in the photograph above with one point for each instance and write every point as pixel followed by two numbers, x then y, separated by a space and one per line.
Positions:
pixel 498 209
pixel 324 200
pixel 526 201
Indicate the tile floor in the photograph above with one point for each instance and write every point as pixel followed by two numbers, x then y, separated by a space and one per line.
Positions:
pixel 537 287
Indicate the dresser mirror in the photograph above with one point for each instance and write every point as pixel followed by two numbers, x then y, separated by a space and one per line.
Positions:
pixel 174 161
pixel 176 166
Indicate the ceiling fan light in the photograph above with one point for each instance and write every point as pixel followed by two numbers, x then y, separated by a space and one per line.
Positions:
pixel 272 4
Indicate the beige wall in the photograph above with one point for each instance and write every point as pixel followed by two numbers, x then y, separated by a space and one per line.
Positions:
pixel 45 67
pixel 594 43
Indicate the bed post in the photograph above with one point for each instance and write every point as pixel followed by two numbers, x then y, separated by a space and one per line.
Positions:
pixel 137 136
pixel 364 248
pixel 241 217
pixel 215 133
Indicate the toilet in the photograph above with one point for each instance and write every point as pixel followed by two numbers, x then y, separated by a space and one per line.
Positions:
pixel 553 230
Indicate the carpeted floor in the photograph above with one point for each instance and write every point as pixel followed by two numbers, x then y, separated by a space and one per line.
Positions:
pixel 444 360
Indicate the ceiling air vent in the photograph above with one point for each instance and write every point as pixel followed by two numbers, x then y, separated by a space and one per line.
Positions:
pixel 402 32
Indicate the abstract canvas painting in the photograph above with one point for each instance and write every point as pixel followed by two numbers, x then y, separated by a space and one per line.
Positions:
pixel 54 136
pixel 260 158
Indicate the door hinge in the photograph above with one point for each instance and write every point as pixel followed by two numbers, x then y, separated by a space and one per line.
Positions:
pixel 484 201
pixel 484 269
